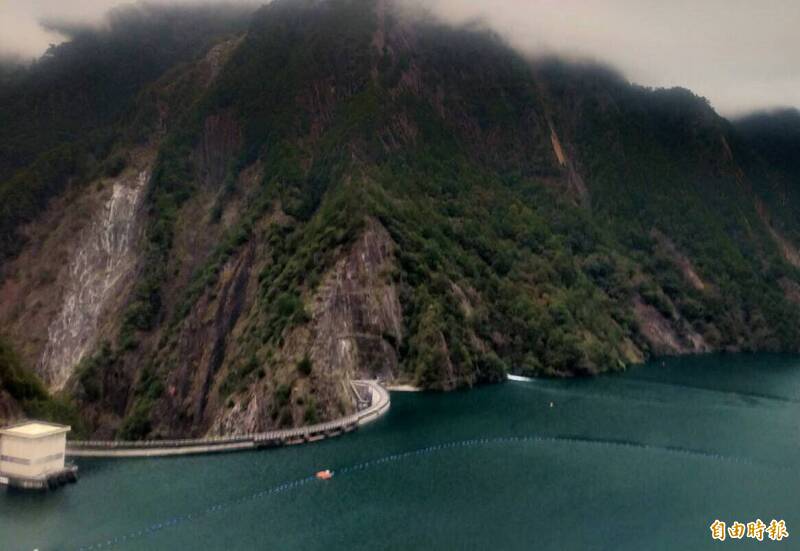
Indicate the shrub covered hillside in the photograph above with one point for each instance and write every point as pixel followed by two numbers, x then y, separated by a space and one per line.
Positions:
pixel 342 189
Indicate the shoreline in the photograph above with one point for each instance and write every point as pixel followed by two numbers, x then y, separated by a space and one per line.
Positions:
pixel 270 439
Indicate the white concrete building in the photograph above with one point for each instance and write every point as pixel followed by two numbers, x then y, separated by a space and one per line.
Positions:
pixel 32 453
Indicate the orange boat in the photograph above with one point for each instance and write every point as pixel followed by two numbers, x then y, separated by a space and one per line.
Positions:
pixel 324 475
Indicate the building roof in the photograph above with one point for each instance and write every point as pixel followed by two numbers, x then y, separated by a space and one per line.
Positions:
pixel 34 429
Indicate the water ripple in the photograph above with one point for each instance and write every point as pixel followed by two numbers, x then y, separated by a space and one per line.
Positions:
pixel 471 443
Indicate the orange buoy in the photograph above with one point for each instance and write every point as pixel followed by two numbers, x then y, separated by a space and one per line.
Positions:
pixel 324 475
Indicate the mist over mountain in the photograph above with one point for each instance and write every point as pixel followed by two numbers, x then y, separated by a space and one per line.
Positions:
pixel 738 54
pixel 214 219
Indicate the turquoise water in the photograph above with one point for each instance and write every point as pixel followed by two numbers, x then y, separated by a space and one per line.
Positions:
pixel 645 460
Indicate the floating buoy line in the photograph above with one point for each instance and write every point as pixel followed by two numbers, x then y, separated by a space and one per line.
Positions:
pixel 327 474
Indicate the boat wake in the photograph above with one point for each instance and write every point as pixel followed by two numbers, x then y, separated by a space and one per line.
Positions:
pixel 519 378
pixel 729 393
pixel 743 398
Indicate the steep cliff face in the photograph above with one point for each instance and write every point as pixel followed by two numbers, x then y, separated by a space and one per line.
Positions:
pixel 72 279
pixel 88 250
pixel 347 191
pixel 665 334
pixel 356 318
pixel 353 330
pixel 205 346
pixel 101 266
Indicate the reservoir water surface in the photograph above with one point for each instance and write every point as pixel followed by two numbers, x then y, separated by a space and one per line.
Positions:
pixel 643 460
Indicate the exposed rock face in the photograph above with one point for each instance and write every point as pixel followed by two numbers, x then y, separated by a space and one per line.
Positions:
pixel 102 262
pixel 357 318
pixel 681 260
pixel 217 57
pixel 202 345
pixel 667 337
pixel 557 149
pixel 791 289
pixel 355 329
pixel 790 253
pixel 247 416
pixel 219 145
pixel 511 243
pixel 576 185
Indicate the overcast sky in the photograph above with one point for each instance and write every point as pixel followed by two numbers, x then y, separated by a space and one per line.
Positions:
pixel 740 54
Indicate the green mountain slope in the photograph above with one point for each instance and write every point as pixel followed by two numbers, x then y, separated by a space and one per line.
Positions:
pixel 61 116
pixel 346 190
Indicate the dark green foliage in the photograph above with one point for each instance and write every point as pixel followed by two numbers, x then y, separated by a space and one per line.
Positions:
pixel 20 383
pixel 496 239
pixel 114 165
pixel 669 172
pixel 29 392
pixel 774 165
pixel 91 372
pixel 301 254
pixel 138 422
pixel 24 195
pixel 652 295
pixel 311 415
pixel 282 395
pixel 239 376
pixel 498 269
pixel 305 366
pixel 287 305
pixel 502 259
pixel 60 117
pixel 171 186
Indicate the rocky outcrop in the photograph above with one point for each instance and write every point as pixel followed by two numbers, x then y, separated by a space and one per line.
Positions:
pixel 218 147
pixel 63 293
pixel 514 199
pixel 789 252
pixel 681 260
pixel 575 184
pixel 355 331
pixel 667 336
pixel 201 346
pixel 216 58
pixel 791 289
pixel 99 269
pixel 244 416
pixel 357 318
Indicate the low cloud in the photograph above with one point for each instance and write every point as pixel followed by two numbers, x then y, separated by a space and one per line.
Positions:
pixel 740 54
pixel 28 27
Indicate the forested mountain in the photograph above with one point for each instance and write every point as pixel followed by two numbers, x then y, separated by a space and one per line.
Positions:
pixel 218 232
pixel 61 116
